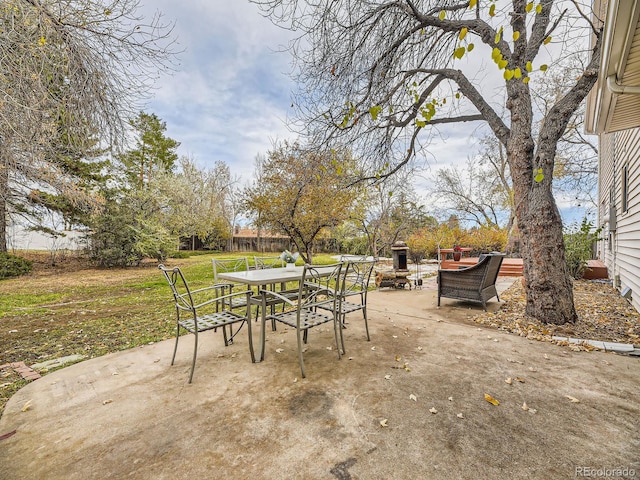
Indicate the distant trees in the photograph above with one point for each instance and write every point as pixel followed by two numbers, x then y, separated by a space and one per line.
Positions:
pixel 481 193
pixel 389 211
pixel 72 74
pixel 156 198
pixel 300 193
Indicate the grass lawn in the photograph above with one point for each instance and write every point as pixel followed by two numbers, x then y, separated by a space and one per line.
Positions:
pixel 70 308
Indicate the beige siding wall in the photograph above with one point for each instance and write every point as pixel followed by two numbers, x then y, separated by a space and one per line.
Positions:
pixel 620 250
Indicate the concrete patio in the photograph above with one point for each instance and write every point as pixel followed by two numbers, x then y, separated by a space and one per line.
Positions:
pixel 409 404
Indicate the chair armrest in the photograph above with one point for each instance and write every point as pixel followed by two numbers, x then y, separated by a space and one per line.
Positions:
pixel 222 297
pixel 269 293
pixel 217 286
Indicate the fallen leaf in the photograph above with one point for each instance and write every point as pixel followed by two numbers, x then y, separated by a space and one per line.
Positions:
pixel 107 401
pixel 26 406
pixel 383 423
pixel 413 397
pixel 491 400
pixel 525 407
pixel 279 350
pixel 460 415
pixel 397 358
pixel 509 381
pixel 573 399
pixel 433 410
pixel 518 379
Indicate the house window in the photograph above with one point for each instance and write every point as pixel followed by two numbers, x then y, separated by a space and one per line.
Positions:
pixel 625 188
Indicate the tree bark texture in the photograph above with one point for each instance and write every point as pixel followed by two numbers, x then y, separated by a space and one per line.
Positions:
pixel 4 190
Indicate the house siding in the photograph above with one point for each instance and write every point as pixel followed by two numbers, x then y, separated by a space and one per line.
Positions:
pixel 620 249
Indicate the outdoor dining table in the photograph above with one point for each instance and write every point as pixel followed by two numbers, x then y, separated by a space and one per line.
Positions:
pixel 263 277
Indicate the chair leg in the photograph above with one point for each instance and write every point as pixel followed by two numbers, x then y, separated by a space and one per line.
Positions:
pixel 300 359
pixel 337 330
pixel 195 353
pixel 224 335
pixel 175 347
pixel 366 323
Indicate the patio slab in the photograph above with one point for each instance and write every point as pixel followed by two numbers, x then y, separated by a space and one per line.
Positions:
pixel 409 404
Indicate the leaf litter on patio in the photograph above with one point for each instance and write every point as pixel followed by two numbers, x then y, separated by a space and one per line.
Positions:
pixel 603 315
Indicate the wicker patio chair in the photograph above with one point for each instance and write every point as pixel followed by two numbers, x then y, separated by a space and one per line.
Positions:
pixel 317 288
pixel 202 312
pixel 476 283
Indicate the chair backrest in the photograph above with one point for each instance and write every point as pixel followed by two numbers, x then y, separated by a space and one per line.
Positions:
pixel 320 283
pixel 268 262
pixel 179 287
pixel 233 265
pixel 355 258
pixel 356 276
pixel 493 268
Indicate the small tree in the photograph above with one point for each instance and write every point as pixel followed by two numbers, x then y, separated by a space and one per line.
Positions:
pixel 579 247
pixel 299 193
pixel 129 229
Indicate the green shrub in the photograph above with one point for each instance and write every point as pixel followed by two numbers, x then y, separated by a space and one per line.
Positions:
pixel 180 254
pixel 578 247
pixel 12 266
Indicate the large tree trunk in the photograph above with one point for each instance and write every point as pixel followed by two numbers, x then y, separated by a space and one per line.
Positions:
pixel 549 289
pixel 4 191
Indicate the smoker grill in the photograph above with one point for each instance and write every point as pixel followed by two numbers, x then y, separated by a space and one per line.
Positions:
pixel 397 277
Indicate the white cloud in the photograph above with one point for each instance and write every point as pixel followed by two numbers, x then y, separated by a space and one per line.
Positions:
pixel 231 94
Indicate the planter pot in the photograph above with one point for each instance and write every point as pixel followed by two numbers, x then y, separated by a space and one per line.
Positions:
pixel 291 267
pixel 457 256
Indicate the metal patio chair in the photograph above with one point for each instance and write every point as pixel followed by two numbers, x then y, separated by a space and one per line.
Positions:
pixel 200 310
pixel 275 262
pixel 354 286
pixel 476 283
pixel 317 288
pixel 268 262
pixel 224 266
